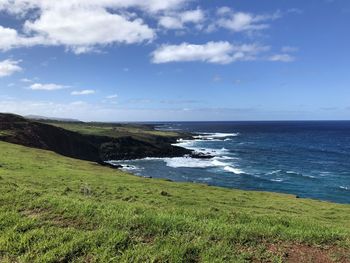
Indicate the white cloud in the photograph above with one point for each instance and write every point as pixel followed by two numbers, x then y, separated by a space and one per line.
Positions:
pixel 289 49
pixel 242 21
pixel 23 6
pixel 9 38
pixel 223 10
pixel 193 16
pixel 9 67
pixel 47 87
pixel 83 92
pixel 170 22
pixel 282 58
pixel 78 103
pixel 178 20
pixel 212 52
pixel 113 96
pixel 25 80
pixel 80 25
pixel 99 27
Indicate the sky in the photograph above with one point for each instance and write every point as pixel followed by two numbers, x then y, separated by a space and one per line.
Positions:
pixel 176 60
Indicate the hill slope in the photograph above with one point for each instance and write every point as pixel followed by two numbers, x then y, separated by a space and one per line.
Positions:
pixel 94 146
pixel 57 209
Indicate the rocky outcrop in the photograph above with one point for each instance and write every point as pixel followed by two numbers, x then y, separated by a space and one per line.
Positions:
pixel 129 148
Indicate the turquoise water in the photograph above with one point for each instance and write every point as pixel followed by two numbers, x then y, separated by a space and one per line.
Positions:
pixel 309 159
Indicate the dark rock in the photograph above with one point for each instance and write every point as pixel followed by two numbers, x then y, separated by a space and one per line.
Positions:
pixel 114 166
pixel 200 155
pixel 126 148
pixel 168 180
pixel 163 193
pixel 67 190
pixel 85 190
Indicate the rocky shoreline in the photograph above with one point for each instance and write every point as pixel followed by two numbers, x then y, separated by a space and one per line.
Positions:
pixel 19 130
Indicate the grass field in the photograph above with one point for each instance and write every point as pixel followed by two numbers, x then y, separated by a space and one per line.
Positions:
pixel 57 209
pixel 114 130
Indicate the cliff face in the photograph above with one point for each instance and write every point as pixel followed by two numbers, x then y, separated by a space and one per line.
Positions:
pixel 18 130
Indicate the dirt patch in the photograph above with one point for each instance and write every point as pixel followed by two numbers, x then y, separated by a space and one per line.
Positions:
pixel 300 253
pixel 57 220
pixel 34 213
pixel 64 222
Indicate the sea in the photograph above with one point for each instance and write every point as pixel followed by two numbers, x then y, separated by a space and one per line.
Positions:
pixel 310 159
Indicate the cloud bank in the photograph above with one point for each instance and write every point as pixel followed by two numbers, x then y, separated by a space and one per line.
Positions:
pixel 80 25
pixel 221 52
pixel 47 86
pixel 83 92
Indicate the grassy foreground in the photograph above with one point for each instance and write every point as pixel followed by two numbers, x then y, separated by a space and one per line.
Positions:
pixel 57 209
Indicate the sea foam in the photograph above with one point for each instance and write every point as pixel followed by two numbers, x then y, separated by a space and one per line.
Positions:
pixel 220 156
pixel 213 136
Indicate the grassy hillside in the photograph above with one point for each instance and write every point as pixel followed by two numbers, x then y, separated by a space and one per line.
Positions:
pixel 141 132
pixel 57 209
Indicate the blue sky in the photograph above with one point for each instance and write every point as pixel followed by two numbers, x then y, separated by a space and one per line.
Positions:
pixel 181 60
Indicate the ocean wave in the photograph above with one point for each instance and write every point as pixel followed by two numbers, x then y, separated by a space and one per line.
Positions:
pixel 129 167
pixel 274 172
pixel 191 145
pixel 213 136
pixel 190 162
pixel 221 158
pixel 224 157
pixel 300 174
pixel 233 170
pixel 184 143
pixel 288 173
pixel 325 173
pixel 346 188
pixel 125 167
pixel 205 179
pixel 277 180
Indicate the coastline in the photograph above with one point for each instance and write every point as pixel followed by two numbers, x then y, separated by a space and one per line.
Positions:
pixel 211 158
pixel 95 142
pixel 226 167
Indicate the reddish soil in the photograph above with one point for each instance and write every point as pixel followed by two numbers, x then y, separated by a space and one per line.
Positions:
pixel 299 253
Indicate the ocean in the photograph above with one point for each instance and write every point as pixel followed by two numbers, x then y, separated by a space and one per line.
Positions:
pixel 310 159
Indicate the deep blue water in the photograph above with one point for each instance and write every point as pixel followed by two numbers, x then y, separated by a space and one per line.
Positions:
pixel 308 159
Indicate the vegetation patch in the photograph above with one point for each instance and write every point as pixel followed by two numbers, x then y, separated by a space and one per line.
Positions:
pixel 5 133
pixel 58 209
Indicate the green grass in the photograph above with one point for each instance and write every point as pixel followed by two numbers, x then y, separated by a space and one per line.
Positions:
pixel 5 133
pixel 57 209
pixel 114 130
